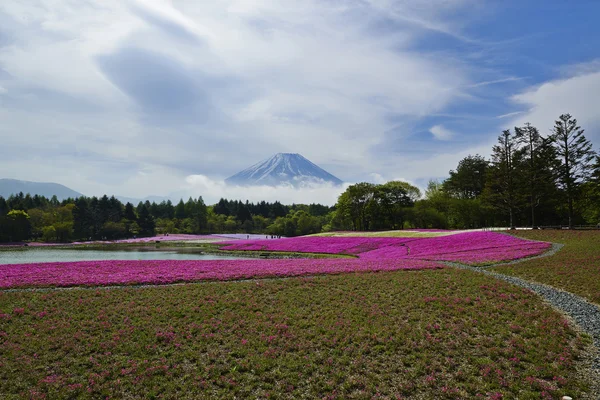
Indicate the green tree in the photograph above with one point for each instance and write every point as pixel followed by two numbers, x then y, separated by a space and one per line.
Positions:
pixel 575 154
pixel 180 210
pixel 468 181
pixel 146 221
pixel 18 224
pixel 354 204
pixel 129 213
pixel 502 188
pixel 3 207
pixel 393 199
pixel 538 163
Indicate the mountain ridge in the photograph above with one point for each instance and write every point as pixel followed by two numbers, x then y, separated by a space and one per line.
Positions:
pixel 47 189
pixel 283 169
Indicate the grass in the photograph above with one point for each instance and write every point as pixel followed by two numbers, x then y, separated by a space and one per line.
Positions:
pixel 575 268
pixel 424 334
pixel 399 233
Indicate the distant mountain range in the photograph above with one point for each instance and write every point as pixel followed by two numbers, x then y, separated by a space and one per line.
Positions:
pixel 283 169
pixel 46 189
pixel 49 189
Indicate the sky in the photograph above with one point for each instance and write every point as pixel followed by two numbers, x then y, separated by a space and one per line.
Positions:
pixel 169 98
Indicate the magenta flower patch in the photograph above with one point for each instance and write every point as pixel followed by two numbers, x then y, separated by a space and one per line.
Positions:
pixel 372 254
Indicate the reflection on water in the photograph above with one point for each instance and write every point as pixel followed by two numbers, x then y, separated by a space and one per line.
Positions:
pixel 37 255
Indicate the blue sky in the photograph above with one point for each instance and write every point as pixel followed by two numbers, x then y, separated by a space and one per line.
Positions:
pixel 157 97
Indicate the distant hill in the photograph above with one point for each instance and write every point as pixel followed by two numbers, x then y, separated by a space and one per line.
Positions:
pixel 283 169
pixel 47 189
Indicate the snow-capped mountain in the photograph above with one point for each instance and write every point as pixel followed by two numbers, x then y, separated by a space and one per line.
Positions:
pixel 283 169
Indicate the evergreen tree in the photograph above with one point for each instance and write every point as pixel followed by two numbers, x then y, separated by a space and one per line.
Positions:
pixel 201 215
pixel 468 181
pixel 82 224
pixel 129 212
pixel 180 210
pixel 575 154
pixel 3 206
pixel 146 221
pixel 502 186
pixel 538 163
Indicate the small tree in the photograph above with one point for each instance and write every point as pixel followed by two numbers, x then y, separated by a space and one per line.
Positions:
pixel 19 226
pixel 575 154
pixel 468 181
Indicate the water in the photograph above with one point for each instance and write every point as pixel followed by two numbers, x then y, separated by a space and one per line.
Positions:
pixel 37 255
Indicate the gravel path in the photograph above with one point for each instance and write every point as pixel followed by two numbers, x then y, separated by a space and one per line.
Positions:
pixel 585 314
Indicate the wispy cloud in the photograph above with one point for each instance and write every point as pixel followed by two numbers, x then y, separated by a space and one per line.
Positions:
pixel 213 190
pixel 496 81
pixel 577 95
pixel 441 133
pixel 511 114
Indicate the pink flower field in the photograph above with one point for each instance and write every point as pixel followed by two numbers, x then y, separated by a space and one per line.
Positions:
pixel 467 248
pixel 101 273
pixel 371 254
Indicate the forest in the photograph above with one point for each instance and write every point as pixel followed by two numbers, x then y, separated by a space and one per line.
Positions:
pixel 530 180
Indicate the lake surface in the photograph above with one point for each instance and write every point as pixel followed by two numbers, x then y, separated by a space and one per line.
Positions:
pixel 37 255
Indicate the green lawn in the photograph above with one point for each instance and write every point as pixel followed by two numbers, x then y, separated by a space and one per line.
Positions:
pixel 575 268
pixel 398 233
pixel 422 334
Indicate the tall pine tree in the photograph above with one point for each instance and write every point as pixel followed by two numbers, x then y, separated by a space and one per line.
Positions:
pixel 503 184
pixel 538 162
pixel 575 154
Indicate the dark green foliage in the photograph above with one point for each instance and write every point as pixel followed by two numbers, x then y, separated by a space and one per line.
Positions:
pixel 503 188
pixel 538 163
pixel 146 221
pixel 365 206
pixel 468 181
pixel 15 226
pixel 129 212
pixel 3 207
pixel 575 154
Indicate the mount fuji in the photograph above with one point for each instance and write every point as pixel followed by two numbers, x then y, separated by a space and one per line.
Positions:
pixel 283 169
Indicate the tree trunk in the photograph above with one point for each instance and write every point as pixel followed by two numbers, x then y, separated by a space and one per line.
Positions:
pixel 512 225
pixel 533 214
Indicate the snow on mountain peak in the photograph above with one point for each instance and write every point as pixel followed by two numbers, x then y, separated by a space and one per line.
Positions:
pixel 283 169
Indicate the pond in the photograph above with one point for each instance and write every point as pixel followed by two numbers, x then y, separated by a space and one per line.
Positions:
pixel 38 255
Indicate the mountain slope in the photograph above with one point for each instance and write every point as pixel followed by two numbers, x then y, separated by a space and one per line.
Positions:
pixel 47 189
pixel 283 169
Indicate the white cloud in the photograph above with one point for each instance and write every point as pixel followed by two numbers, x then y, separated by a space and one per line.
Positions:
pixel 441 133
pixel 496 81
pixel 511 114
pixel 212 191
pixel 577 95
pixel 319 78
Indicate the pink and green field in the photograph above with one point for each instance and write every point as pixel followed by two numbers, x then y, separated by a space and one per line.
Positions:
pixel 332 330
pixel 370 254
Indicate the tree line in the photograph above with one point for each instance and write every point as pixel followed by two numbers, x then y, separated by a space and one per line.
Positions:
pixel 529 180
pixel 26 217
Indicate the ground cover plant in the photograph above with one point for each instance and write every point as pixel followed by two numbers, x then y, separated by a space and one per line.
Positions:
pixel 394 233
pixel 112 272
pixel 469 247
pixel 373 254
pixel 575 268
pixel 424 334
